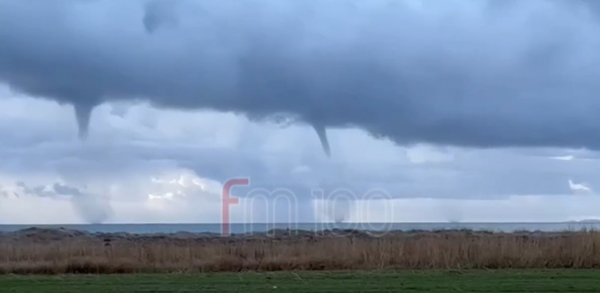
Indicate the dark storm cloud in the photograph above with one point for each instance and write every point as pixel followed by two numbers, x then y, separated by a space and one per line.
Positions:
pixel 467 73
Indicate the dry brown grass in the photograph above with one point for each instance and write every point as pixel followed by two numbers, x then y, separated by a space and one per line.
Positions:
pixel 425 250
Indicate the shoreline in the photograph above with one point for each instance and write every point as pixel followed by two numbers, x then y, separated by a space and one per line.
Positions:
pixel 56 234
pixel 37 235
pixel 376 228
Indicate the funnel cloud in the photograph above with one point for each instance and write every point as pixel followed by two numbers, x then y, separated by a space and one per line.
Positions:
pixel 323 138
pixel 83 113
pixel 468 73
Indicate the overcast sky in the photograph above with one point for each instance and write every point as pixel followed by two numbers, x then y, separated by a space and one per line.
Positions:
pixel 139 111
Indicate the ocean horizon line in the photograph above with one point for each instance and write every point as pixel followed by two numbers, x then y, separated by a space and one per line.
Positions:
pixel 304 223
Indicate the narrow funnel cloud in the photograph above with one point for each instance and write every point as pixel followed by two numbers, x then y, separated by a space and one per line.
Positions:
pixel 83 113
pixel 323 137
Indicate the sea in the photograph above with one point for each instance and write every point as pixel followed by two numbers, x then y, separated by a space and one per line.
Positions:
pixel 241 228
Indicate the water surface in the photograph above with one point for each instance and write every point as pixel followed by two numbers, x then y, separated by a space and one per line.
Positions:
pixel 261 227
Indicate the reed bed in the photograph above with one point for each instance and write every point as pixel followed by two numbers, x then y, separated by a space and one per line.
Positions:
pixel 30 253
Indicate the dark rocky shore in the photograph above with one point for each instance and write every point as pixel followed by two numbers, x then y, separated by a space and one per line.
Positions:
pixel 45 235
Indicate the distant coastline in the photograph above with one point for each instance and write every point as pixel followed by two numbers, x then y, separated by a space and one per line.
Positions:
pixel 238 228
pixel 586 221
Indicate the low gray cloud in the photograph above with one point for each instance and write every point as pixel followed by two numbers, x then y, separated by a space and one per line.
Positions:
pixel 92 208
pixel 459 72
pixel 62 189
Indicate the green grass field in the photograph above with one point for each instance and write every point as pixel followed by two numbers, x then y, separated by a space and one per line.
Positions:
pixel 423 281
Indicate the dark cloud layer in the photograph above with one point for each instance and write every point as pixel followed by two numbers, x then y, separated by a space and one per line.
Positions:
pixel 467 73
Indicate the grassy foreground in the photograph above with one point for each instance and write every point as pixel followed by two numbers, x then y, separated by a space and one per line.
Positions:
pixel 421 281
pixel 56 252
